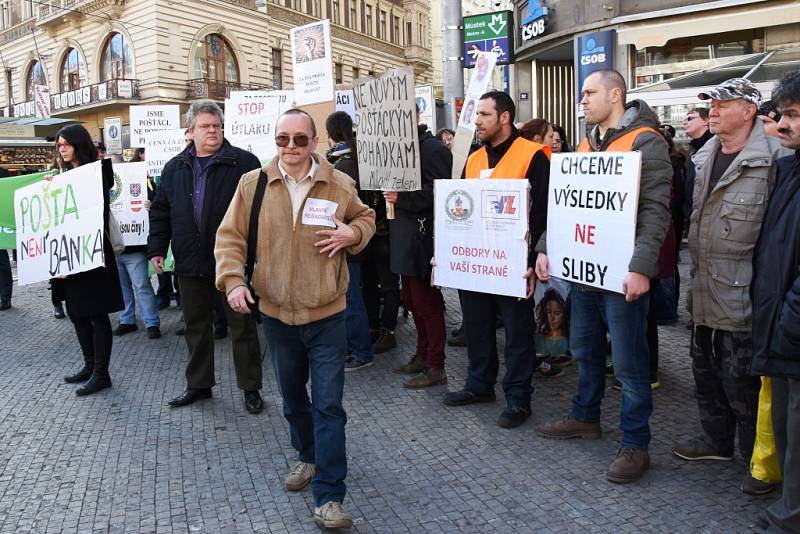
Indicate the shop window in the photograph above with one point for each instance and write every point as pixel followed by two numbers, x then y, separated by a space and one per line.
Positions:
pixel 73 71
pixel 215 60
pixel 35 77
pixel 277 69
pixel 117 59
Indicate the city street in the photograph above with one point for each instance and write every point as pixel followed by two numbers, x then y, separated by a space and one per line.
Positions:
pixel 123 461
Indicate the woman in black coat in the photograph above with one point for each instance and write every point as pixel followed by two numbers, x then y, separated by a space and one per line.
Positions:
pixel 91 295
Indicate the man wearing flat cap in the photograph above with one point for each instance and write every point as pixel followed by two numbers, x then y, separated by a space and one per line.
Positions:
pixel 731 191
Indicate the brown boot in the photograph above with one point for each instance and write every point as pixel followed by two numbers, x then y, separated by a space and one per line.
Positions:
pixel 385 342
pixel 568 428
pixel 629 466
pixel 427 378
pixel 415 365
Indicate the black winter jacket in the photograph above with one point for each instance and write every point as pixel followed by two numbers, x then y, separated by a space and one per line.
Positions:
pixel 415 208
pixel 775 290
pixel 172 210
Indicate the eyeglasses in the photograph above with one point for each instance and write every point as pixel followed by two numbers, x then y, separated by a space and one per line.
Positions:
pixel 284 140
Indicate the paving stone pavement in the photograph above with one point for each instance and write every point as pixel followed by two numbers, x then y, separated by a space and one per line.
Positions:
pixel 123 461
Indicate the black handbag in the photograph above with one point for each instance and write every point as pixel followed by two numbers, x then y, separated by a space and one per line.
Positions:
pixel 252 242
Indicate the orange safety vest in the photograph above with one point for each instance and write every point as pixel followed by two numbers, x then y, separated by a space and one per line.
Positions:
pixel 623 143
pixel 513 164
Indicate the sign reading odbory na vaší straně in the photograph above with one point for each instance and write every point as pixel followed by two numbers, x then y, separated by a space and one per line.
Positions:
pixel 489 32
pixel 60 225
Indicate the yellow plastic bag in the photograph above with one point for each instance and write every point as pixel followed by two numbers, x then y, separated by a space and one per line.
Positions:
pixel 764 464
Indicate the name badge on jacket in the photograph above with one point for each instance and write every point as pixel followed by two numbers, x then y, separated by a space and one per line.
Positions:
pixel 317 211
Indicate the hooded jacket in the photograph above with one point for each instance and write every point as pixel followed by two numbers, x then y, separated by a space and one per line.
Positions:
pixel 724 228
pixel 653 216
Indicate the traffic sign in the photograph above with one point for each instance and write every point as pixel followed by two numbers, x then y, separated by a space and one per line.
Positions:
pixel 489 32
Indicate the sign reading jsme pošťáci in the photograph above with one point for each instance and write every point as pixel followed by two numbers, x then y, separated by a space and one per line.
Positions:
pixel 60 225
pixel 591 217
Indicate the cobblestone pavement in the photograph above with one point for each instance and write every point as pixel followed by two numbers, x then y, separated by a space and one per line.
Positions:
pixel 123 461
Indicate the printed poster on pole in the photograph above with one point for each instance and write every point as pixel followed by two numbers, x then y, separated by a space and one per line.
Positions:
pixel 312 63
pixel 127 201
pixel 480 235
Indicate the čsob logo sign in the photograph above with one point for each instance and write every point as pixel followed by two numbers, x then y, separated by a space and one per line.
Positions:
pixel 535 24
pixel 592 53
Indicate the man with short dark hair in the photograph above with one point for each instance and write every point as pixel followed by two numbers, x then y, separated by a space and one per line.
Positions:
pixel 504 154
pixel 730 197
pixel 695 125
pixel 776 306
pixel 196 188
pixel 613 125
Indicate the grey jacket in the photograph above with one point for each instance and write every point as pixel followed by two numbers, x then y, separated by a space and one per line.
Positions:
pixel 653 215
pixel 723 231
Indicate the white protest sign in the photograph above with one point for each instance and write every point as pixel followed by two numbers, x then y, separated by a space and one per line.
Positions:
pixel 591 217
pixel 345 102
pixel 480 235
pixel 60 225
pixel 387 138
pixel 148 119
pixel 160 147
pixel 312 63
pixel 320 212
pixel 41 97
pixel 127 202
pixel 251 118
pixel 465 130
pixel 112 133
pixel 427 106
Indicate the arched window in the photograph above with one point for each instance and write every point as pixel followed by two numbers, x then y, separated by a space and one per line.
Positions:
pixel 117 61
pixel 73 71
pixel 215 60
pixel 35 77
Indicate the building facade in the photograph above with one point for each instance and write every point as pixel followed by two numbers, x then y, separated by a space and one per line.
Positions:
pixel 98 57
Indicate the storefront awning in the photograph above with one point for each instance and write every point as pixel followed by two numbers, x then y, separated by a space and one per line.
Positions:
pixel 32 121
pixel 658 32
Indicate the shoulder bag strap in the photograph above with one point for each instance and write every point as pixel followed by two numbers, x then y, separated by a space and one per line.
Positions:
pixel 252 229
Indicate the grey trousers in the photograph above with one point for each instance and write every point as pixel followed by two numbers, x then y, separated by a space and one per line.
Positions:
pixel 784 514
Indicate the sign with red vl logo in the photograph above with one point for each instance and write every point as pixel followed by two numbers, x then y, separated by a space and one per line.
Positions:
pixel 501 204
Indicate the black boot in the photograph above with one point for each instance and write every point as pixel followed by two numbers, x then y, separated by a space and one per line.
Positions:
pixel 98 382
pixel 58 311
pixel 81 376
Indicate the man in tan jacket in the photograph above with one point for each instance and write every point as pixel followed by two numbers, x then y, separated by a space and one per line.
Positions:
pixel 731 191
pixel 310 217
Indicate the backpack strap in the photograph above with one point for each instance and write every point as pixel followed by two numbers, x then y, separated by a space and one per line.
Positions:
pixel 252 229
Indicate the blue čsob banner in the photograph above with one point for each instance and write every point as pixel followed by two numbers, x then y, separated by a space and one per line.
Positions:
pixel 595 52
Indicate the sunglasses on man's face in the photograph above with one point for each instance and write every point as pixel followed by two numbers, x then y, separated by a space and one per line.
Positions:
pixel 284 140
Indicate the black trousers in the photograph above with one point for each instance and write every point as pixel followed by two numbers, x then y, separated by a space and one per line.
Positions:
pixel 197 296
pixel 6 281
pixel 378 281
pixel 96 340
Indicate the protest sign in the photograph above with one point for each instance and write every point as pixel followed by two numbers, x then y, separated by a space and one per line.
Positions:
pixel 112 133
pixel 60 225
pixel 345 102
pixel 465 131
pixel 387 137
pixel 312 63
pixel 160 147
pixel 251 117
pixel 41 97
pixel 8 237
pixel 148 119
pixel 426 104
pixel 480 235
pixel 591 217
pixel 127 202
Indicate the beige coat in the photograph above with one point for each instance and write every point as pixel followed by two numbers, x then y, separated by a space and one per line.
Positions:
pixel 724 228
pixel 297 285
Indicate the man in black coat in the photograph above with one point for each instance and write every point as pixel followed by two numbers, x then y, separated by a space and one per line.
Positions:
pixel 776 308
pixel 196 188
pixel 411 249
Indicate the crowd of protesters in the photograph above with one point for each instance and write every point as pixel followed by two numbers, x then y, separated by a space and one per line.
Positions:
pixel 328 297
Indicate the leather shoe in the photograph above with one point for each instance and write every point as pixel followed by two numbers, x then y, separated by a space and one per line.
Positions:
pixel 189 396
pixel 81 376
pixel 58 311
pixel 124 328
pixel 97 383
pixel 253 402
pixel 464 397
pixel 513 416
pixel 5 304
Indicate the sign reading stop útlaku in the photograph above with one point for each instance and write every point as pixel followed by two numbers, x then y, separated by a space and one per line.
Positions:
pixel 591 217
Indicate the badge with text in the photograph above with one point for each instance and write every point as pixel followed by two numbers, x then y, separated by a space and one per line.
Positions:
pixel 319 212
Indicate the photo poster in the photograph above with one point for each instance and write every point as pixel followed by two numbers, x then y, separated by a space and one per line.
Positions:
pixel 465 130
pixel 426 104
pixel 59 225
pixel 481 235
pixel 386 134
pixel 160 147
pixel 312 63
pixel 127 202
pixel 149 119
pixel 592 205
pixel 251 118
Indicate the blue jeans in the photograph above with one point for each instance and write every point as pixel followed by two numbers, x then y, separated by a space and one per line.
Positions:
pixel 135 279
pixel 593 313
pixel 358 342
pixel 317 350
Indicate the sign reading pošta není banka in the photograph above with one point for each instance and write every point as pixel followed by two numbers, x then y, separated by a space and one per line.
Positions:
pixel 387 138
pixel 8 186
pixel 480 235
pixel 591 217
pixel 60 225
pixel 128 197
